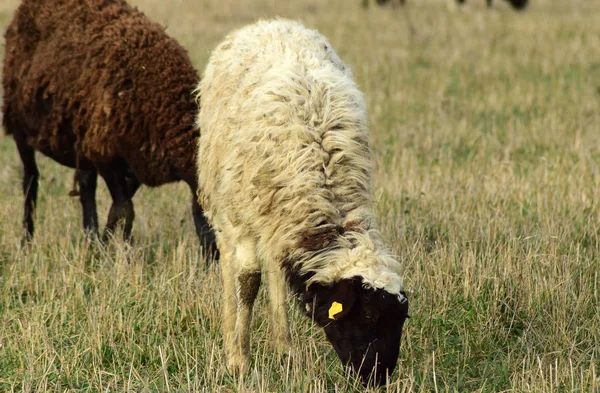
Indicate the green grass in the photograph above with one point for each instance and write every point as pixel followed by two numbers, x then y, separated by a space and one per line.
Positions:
pixel 485 128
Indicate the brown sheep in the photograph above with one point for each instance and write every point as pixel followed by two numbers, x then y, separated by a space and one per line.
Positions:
pixel 96 86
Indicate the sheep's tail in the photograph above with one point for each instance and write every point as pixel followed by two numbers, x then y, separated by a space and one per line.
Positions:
pixel 75 191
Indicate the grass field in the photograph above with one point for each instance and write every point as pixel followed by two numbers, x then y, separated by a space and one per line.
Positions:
pixel 486 141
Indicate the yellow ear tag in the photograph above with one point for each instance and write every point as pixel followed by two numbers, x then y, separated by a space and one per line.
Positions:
pixel 335 309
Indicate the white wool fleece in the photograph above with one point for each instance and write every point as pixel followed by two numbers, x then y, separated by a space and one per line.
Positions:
pixel 284 148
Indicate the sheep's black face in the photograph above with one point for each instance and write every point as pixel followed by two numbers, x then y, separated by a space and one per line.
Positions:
pixel 363 325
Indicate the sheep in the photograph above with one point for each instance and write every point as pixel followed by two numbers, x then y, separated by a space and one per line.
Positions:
pixel 96 86
pixel 516 4
pixel 284 175
pixel 365 3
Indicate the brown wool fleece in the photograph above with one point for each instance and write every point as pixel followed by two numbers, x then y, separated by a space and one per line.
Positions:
pixel 98 78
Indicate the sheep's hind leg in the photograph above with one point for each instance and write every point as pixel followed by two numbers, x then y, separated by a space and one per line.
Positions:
pixel 133 184
pixel 30 185
pixel 204 231
pixel 87 196
pixel 121 209
pixel 247 283
pixel 278 304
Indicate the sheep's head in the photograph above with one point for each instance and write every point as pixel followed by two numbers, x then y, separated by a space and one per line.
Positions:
pixel 364 325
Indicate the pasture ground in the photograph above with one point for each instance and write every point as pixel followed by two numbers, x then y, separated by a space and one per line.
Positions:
pixel 486 145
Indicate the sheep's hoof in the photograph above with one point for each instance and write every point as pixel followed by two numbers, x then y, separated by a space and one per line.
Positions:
pixel 283 346
pixel 237 364
pixel 25 243
pixel 285 356
pixel 282 342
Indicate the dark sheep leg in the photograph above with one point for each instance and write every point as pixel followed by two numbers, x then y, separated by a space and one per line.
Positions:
pixel 87 196
pixel 133 184
pixel 204 231
pixel 121 209
pixel 30 185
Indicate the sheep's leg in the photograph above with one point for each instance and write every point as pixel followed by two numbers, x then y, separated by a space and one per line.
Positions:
pixel 204 230
pixel 133 184
pixel 121 209
pixel 30 185
pixel 229 299
pixel 87 196
pixel 278 304
pixel 247 283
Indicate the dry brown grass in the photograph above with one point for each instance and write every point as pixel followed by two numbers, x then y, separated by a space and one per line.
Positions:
pixel 486 141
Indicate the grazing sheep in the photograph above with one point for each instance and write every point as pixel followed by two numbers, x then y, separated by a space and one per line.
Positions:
pixel 394 3
pixel 516 4
pixel 97 86
pixel 285 178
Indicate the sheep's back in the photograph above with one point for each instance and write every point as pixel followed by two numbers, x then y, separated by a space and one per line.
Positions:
pixel 284 145
pixel 100 78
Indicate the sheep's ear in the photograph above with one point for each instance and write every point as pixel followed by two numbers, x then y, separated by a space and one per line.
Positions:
pixel 342 299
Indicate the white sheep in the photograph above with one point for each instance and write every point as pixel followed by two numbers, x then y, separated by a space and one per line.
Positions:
pixel 285 179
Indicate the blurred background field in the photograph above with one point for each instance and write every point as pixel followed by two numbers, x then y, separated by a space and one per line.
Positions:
pixel 486 142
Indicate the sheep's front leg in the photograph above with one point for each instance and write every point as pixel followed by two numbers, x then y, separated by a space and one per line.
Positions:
pixel 30 182
pixel 247 283
pixel 278 304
